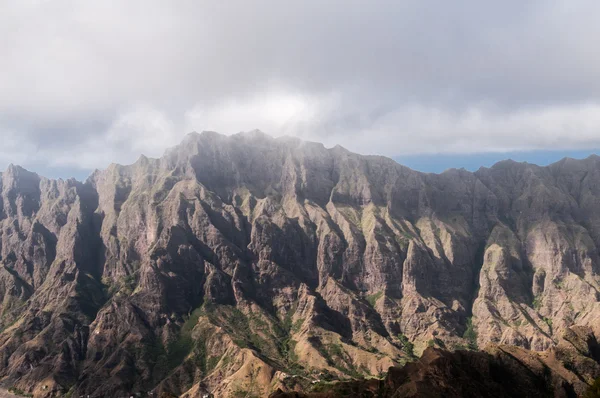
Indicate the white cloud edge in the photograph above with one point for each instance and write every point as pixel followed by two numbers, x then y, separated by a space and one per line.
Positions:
pixel 407 130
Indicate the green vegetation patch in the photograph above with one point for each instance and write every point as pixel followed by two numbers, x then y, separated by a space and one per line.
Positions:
pixel 252 388
pixel 297 325
pixel 124 285
pixel 19 392
pixel 471 334
pixel 178 349
pixel 372 299
pixel 336 357
pixel 407 346
pixel 594 390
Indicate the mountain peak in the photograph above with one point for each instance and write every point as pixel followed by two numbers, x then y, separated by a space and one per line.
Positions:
pixel 254 258
pixel 256 134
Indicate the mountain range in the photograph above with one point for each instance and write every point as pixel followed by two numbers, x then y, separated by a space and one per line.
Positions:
pixel 248 265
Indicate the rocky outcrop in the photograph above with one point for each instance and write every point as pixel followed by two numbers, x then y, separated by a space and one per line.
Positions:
pixel 566 370
pixel 244 264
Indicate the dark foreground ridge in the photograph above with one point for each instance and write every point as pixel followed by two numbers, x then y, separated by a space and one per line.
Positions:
pixel 500 371
pixel 240 265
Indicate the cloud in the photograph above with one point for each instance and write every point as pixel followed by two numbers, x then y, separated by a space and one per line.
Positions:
pixel 87 83
pixel 478 129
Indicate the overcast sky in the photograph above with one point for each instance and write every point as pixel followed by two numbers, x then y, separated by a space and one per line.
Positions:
pixel 86 83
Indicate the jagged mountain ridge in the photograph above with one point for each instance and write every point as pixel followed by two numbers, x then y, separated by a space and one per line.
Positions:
pixel 248 262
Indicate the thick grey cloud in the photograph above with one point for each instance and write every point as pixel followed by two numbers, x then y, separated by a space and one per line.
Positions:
pixel 88 82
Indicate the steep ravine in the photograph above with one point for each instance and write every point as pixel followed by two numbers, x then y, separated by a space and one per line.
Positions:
pixel 247 264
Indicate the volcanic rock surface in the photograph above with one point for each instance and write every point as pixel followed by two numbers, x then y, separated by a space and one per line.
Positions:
pixel 246 264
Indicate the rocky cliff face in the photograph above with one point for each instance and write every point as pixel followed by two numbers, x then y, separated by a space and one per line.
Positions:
pixel 247 263
pixel 499 371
